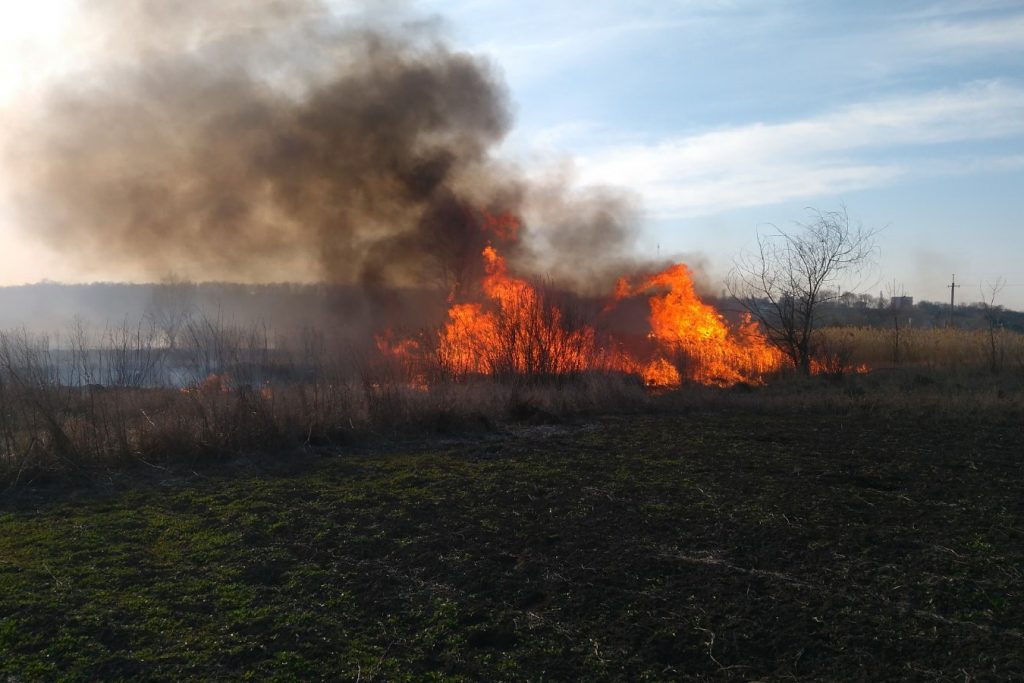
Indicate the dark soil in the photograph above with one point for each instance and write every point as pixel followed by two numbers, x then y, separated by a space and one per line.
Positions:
pixel 729 546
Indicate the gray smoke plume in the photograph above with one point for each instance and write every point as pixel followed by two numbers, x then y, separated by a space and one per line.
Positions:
pixel 274 139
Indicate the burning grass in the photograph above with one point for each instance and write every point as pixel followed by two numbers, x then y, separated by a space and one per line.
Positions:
pixel 71 410
pixel 517 329
pixel 129 395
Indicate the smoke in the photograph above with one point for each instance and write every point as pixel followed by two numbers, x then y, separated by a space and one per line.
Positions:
pixel 263 140
pixel 583 237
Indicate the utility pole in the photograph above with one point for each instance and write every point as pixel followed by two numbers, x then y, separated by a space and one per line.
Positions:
pixel 952 297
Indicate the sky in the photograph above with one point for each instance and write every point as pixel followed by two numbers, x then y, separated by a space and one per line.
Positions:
pixel 725 117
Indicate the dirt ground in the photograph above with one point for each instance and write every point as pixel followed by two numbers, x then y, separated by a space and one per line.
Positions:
pixel 707 545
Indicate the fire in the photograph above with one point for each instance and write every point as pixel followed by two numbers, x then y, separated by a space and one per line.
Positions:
pixel 404 356
pixel 515 328
pixel 212 384
pixel 687 329
pixel 403 348
pixel 831 365
pixel 223 383
pixel 661 374
pixel 521 332
pixel 508 326
pixel 504 226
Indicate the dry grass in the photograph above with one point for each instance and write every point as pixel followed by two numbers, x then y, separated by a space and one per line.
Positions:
pixel 113 400
pixel 79 408
pixel 949 350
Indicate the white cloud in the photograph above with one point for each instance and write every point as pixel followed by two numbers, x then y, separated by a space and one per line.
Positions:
pixel 913 43
pixel 861 146
pixel 535 40
pixel 1002 32
pixel 524 61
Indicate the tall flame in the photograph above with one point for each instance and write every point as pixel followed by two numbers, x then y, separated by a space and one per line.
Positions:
pixel 697 336
pixel 516 328
pixel 521 333
pixel 519 330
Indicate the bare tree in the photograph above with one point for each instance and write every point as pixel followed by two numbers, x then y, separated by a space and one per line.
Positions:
pixel 792 272
pixel 896 294
pixel 993 317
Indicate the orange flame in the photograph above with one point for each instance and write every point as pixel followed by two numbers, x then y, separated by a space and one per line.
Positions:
pixel 521 333
pixel 662 374
pixel 831 365
pixel 405 355
pixel 517 329
pixel 694 333
pixel 504 226
pixel 212 384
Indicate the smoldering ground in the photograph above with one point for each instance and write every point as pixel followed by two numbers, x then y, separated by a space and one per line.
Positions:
pixel 278 139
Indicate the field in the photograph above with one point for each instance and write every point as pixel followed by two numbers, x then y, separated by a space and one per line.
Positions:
pixel 736 538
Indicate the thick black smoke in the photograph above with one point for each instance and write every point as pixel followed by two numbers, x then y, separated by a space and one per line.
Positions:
pixel 274 139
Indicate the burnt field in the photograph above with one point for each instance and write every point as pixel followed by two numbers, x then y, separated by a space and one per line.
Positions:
pixel 732 543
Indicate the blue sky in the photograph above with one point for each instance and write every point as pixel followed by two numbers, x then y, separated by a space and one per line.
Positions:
pixel 726 116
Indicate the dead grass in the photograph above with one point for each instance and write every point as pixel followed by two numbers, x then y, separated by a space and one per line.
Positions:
pixel 95 404
pixel 55 421
pixel 947 350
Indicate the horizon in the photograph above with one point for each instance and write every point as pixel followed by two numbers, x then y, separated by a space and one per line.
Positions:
pixel 705 293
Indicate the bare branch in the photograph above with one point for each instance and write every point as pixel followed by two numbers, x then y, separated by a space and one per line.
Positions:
pixel 792 272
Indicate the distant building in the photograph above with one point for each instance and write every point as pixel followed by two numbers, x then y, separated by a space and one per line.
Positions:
pixel 899 302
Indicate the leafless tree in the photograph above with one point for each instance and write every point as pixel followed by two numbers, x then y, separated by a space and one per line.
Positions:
pixel 896 293
pixel 792 272
pixel 993 317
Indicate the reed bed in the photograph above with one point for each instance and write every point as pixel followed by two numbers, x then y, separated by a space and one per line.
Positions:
pixel 93 400
pixel 932 349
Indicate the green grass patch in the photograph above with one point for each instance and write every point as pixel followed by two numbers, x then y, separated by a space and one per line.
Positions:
pixel 732 545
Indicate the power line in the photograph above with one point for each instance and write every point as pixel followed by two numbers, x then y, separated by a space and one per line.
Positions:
pixel 952 295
